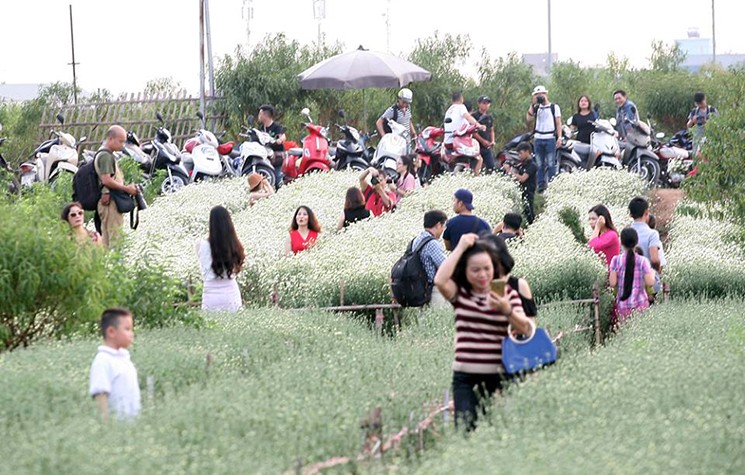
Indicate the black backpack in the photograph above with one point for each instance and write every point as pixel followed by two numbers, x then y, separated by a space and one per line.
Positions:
pixel 85 186
pixel 409 283
pixel 386 127
pixel 553 121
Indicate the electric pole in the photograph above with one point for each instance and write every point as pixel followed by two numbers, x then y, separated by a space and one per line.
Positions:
pixel 74 75
pixel 248 15
pixel 319 14
pixel 713 35
pixel 550 56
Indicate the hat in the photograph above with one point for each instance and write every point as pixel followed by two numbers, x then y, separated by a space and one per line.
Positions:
pixel 485 99
pixel 465 196
pixel 254 180
pixel 540 90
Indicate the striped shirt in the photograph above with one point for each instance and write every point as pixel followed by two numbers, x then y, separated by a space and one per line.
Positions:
pixel 479 331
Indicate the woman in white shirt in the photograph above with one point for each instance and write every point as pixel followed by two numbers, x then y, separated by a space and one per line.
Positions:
pixel 221 257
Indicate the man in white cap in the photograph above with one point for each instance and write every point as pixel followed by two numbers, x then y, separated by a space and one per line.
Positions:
pixel 546 118
pixel 399 112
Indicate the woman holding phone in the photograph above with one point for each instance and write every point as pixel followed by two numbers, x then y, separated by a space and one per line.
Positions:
pixel 474 279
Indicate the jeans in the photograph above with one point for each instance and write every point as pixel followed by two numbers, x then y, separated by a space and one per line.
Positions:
pixel 470 392
pixel 545 159
pixel 488 156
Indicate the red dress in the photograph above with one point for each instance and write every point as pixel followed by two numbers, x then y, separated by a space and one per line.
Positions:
pixel 298 243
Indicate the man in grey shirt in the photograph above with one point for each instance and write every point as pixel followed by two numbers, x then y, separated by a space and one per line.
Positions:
pixel 399 112
pixel 649 239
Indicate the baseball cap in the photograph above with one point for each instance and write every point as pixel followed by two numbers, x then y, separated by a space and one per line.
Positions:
pixel 540 90
pixel 485 99
pixel 465 196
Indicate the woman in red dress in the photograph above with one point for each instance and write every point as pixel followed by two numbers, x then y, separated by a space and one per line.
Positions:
pixel 304 231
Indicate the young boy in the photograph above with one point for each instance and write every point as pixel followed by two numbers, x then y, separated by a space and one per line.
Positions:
pixel 113 382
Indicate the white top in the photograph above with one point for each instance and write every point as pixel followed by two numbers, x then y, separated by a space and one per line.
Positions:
pixel 457 113
pixel 545 122
pixel 204 253
pixel 113 373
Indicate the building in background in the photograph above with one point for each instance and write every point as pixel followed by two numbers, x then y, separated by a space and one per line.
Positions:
pixel 699 52
pixel 539 62
pixel 19 92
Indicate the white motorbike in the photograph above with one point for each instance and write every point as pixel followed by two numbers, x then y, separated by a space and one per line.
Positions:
pixel 603 149
pixel 256 154
pixel 51 158
pixel 200 157
pixel 391 147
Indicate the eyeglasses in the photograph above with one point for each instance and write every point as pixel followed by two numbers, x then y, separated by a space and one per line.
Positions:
pixel 76 213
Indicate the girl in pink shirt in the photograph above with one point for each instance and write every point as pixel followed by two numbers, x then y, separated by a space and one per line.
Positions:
pixel 406 182
pixel 604 239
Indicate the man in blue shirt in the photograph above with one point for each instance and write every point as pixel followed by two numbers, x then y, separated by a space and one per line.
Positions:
pixel 432 255
pixel 649 239
pixel 626 114
pixel 464 222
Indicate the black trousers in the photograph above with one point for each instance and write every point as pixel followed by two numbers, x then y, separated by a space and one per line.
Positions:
pixel 470 394
pixel 528 200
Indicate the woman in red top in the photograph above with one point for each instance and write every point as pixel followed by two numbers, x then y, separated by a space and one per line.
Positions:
pixel 604 239
pixel 304 231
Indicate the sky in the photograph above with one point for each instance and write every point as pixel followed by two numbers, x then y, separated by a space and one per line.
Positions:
pixel 122 45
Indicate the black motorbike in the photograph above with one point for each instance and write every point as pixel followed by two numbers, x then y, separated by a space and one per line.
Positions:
pixel 352 151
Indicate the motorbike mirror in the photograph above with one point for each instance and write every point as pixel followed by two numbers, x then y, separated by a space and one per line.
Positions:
pixel 569 121
pixel 649 115
pixel 596 107
pixel 200 116
pixel 61 119
pixel 305 111
pixel 659 135
pixel 341 113
pixel 159 116
pixel 448 120
pixel 251 119
pixel 613 121
pixel 82 139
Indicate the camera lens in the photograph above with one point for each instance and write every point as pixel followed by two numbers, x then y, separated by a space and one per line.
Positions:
pixel 540 99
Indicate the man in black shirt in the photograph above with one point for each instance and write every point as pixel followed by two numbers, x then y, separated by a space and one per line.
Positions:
pixel 267 124
pixel 525 173
pixel 485 137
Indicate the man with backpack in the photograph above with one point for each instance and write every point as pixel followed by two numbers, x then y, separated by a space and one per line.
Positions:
pixel 698 117
pixel 546 117
pixel 413 276
pixel 110 177
pixel 399 112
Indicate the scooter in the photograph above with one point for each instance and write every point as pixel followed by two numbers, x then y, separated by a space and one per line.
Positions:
pixel 51 158
pixel 676 158
pixel 603 149
pixel 133 149
pixel 351 151
pixel 465 149
pixel 429 151
pixel 200 157
pixel 313 156
pixel 256 154
pixel 638 156
pixel 391 147
pixel 166 156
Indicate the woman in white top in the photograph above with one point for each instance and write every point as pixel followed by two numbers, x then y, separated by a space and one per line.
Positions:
pixel 221 257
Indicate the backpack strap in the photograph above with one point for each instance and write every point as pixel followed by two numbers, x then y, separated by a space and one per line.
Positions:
pixel 553 120
pixel 421 245
pixel 395 112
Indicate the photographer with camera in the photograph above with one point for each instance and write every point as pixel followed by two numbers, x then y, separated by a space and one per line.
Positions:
pixel 378 190
pixel 547 134
pixel 525 173
pixel 111 178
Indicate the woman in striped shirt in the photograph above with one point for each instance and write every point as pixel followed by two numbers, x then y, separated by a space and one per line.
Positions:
pixel 481 319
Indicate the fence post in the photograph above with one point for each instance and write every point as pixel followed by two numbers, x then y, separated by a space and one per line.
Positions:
pixel 341 293
pixel 379 318
pixel 666 292
pixel 596 307
pixel 274 296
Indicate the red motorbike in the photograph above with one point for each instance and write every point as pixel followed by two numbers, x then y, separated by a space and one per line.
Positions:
pixel 428 148
pixel 465 150
pixel 312 157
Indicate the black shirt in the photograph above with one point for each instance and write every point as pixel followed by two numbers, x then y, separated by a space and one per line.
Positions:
pixel 354 215
pixel 488 122
pixel 584 127
pixel 275 130
pixel 528 185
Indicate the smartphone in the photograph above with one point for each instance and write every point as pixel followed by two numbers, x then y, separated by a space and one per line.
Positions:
pixel 497 285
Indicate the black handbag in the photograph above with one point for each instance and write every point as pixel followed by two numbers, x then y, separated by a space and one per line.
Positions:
pixel 125 203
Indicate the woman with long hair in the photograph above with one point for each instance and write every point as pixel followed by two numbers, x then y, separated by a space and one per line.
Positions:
pixel 406 175
pixel 483 309
pixel 354 208
pixel 304 231
pixel 604 237
pixel 221 258
pixel 631 276
pixel 582 120
pixel 74 215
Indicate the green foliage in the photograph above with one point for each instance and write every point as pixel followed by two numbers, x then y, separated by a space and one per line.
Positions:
pixel 721 177
pixel 666 58
pixel 662 397
pixel 569 217
pixel 668 96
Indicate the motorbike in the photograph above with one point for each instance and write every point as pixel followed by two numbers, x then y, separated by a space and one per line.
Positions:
pixel 51 158
pixel 351 151
pixel 391 147
pixel 314 154
pixel 133 149
pixel 568 158
pixel 429 151
pixel 255 154
pixel 638 156
pixel 164 155
pixel 603 149
pixel 675 156
pixel 200 157
pixel 465 149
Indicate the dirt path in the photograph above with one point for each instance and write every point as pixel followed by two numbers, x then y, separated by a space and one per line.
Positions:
pixel 664 201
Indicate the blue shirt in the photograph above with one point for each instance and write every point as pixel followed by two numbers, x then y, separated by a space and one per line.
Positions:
pixel 432 255
pixel 649 237
pixel 626 111
pixel 462 224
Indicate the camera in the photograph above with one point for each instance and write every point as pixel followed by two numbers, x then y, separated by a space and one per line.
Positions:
pixel 140 199
pixel 540 99
pixel 375 180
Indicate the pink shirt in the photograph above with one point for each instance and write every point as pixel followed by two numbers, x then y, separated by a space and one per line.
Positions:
pixel 607 244
pixel 408 183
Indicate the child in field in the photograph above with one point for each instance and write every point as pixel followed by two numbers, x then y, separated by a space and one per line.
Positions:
pixel 113 382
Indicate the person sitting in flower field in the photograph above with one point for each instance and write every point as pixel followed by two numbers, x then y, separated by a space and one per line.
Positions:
pixel 354 208
pixel 406 176
pixel 631 277
pixel 74 215
pixel 604 238
pixel 510 227
pixel 304 231
pixel 221 258
pixel 379 198
pixel 258 187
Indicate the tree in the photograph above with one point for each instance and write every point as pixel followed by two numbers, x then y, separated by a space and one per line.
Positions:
pixel 666 58
pixel 164 87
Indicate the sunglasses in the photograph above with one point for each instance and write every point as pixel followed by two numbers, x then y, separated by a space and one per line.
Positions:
pixel 76 213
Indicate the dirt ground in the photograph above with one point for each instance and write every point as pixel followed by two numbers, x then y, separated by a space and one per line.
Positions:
pixel 664 201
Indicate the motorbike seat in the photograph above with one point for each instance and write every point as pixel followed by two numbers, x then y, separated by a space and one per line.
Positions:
pixel 295 152
pixel 582 148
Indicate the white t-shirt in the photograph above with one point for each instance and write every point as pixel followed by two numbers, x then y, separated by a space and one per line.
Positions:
pixel 457 113
pixel 204 253
pixel 113 373
pixel 545 122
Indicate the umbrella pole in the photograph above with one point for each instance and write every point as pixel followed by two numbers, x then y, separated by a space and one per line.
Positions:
pixel 364 110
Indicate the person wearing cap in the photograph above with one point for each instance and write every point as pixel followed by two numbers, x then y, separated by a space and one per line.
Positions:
pixel 546 118
pixel 399 112
pixel 464 222
pixel 258 187
pixel 485 137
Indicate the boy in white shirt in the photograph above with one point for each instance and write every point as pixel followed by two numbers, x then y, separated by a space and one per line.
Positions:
pixel 457 115
pixel 113 381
